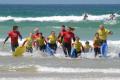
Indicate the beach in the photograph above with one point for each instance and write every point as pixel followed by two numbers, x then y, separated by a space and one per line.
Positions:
pixel 38 65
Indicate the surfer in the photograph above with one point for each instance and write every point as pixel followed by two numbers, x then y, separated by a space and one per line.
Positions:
pixel 97 44
pixel 67 37
pixel 52 41
pixel 85 16
pixel 77 48
pixel 87 47
pixel 112 16
pixel 35 36
pixel 41 42
pixel 13 35
pixel 61 33
pixel 29 43
pixel 103 33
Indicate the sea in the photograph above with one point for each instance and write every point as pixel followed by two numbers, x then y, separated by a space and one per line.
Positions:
pixel 50 17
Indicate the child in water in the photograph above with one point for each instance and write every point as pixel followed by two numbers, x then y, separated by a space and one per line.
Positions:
pixel 77 48
pixel 97 44
pixel 41 42
pixel 87 47
pixel 52 41
pixel 29 43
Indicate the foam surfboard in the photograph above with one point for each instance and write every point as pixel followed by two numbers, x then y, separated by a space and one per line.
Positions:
pixel 49 50
pixel 19 51
pixel 73 53
pixel 104 49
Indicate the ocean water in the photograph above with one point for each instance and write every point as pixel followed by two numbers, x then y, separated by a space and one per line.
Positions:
pixel 48 18
pixel 51 17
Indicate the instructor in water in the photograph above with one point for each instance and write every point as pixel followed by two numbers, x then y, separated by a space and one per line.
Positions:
pixel 13 35
pixel 103 33
pixel 67 37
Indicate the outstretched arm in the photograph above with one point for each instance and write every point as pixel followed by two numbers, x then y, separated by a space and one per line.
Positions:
pixel 24 42
pixel 110 32
pixel 20 36
pixel 74 38
pixel 6 39
pixel 83 49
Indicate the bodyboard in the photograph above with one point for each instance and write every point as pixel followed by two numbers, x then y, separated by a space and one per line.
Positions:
pixel 19 51
pixel 49 51
pixel 104 49
pixel 73 53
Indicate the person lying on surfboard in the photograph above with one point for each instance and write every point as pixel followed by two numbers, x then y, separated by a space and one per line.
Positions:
pixel 97 44
pixel 29 43
pixel 13 35
pixel 41 42
pixel 77 48
pixel 87 47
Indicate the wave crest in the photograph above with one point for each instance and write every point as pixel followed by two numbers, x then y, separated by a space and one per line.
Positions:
pixel 56 18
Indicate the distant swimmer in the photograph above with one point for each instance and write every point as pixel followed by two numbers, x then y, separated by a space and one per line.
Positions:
pixel 85 16
pixel 112 16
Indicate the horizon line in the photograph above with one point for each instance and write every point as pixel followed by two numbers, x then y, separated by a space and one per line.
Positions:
pixel 60 4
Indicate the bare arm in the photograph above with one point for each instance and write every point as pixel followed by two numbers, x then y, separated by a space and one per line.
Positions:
pixel 24 42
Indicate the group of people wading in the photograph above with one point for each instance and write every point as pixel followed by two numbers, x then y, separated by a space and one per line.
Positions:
pixel 71 44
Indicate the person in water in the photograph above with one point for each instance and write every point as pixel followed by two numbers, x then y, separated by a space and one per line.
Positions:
pixel 13 35
pixel 103 34
pixel 97 44
pixel 61 33
pixel 67 38
pixel 35 36
pixel 52 41
pixel 77 48
pixel 85 16
pixel 112 16
pixel 41 42
pixel 87 47
pixel 29 43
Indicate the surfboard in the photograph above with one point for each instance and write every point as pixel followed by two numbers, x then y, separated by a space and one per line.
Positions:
pixel 19 51
pixel 73 53
pixel 104 49
pixel 49 51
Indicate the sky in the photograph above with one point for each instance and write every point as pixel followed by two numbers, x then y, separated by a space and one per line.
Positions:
pixel 59 1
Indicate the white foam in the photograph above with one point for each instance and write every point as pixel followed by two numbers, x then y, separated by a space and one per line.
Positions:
pixel 46 69
pixel 56 18
pixel 57 78
pixel 77 70
pixel 113 49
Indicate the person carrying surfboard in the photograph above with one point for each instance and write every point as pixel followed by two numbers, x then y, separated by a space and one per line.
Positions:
pixel 103 33
pixel 77 48
pixel 41 42
pixel 13 35
pixel 97 44
pixel 52 41
pixel 67 37
pixel 29 43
